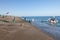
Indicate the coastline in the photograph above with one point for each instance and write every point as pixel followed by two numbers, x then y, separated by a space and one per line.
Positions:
pixel 49 30
pixel 21 31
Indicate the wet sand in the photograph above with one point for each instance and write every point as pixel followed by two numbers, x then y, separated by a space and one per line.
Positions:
pixel 21 31
pixel 50 30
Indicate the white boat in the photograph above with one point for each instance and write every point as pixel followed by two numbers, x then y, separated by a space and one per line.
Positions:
pixel 52 20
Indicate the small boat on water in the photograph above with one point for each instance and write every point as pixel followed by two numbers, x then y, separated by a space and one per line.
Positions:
pixel 53 20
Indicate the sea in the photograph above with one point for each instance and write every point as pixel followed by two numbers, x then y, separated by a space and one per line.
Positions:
pixel 41 23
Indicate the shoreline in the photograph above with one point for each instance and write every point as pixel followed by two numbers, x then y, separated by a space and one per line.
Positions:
pixel 21 31
pixel 51 31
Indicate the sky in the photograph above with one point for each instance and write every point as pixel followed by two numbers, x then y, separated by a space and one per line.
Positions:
pixel 30 7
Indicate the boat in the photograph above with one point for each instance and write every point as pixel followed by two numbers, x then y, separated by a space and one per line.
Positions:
pixel 53 20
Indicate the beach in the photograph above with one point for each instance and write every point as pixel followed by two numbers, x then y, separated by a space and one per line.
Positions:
pixel 20 30
pixel 50 30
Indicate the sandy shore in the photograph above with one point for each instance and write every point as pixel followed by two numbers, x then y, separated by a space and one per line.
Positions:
pixel 21 31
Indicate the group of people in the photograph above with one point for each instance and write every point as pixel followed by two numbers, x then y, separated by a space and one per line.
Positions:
pixel 29 20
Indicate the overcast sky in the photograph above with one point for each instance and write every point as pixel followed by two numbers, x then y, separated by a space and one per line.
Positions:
pixel 30 7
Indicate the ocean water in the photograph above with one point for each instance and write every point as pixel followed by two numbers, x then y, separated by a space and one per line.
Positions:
pixel 42 23
pixel 43 19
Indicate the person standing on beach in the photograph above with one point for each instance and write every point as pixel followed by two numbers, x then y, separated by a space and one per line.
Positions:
pixel 14 19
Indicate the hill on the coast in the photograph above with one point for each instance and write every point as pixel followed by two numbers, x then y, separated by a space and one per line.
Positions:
pixel 19 30
pixel 10 18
